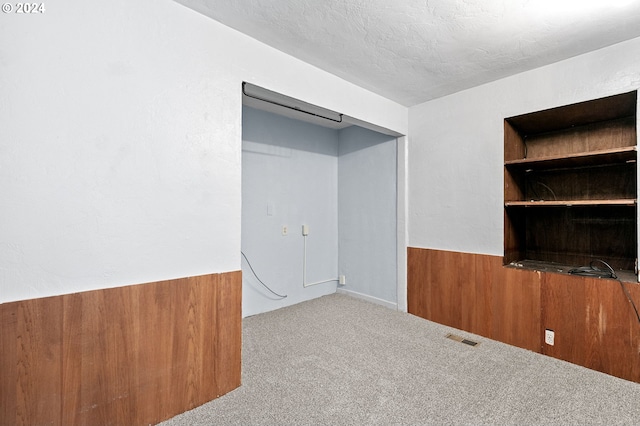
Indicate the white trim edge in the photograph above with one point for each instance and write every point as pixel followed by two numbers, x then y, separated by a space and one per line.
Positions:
pixel 368 298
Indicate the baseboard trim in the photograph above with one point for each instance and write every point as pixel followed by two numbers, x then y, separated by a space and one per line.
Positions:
pixel 377 301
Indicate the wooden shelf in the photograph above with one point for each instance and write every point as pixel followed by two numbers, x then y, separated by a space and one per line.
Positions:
pixel 608 156
pixel 571 203
pixel 534 265
pixel 579 114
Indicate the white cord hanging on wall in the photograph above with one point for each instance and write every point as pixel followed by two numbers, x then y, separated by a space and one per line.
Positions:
pixel 341 279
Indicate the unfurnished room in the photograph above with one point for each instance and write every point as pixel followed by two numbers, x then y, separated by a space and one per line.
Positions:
pixel 268 212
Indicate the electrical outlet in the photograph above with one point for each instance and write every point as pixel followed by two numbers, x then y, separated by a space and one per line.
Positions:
pixel 285 230
pixel 342 280
pixel 549 337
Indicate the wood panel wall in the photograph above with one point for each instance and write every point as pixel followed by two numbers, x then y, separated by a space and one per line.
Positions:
pixel 597 324
pixel 594 324
pixel 130 355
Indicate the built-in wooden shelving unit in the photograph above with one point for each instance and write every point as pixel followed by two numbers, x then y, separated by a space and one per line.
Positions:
pixel 570 199
pixel 570 184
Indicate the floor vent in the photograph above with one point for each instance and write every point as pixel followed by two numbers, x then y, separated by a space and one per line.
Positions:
pixel 461 339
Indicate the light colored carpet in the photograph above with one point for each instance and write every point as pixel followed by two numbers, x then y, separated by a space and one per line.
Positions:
pixel 342 361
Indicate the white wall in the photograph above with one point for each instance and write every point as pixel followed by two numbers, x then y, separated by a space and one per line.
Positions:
pixel 367 176
pixel 120 155
pixel 456 145
pixel 289 178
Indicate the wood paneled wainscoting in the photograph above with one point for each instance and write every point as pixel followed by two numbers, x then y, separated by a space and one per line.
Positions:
pixel 122 356
pixel 595 325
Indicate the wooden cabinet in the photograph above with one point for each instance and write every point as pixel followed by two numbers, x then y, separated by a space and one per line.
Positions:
pixel 570 186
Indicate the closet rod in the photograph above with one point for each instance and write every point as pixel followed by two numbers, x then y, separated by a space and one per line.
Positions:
pixel 244 92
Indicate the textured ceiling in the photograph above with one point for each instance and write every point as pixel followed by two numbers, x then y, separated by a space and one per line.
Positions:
pixel 412 51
